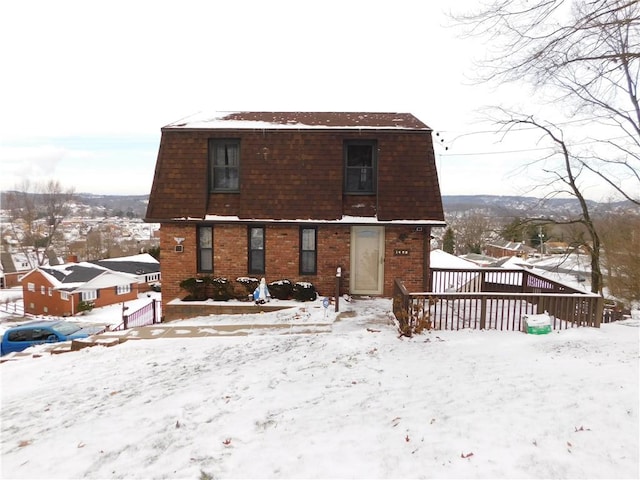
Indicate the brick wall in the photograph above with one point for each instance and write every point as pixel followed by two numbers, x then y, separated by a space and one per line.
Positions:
pixel 282 256
pixel 47 301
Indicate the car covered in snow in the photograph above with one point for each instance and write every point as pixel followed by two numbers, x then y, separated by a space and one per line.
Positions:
pixel 21 337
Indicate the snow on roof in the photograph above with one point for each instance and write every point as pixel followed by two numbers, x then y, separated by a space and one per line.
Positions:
pixel 345 219
pixel 300 120
pixel 82 275
pixel 141 257
pixel 441 259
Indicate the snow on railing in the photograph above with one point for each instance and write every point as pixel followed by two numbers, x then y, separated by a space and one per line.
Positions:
pixel 14 308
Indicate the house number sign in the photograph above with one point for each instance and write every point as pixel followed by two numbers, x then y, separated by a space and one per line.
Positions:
pixel 400 252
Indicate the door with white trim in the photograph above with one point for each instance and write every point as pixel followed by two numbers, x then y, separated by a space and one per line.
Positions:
pixel 367 260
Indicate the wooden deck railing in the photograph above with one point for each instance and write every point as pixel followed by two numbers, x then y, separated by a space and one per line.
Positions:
pixel 492 299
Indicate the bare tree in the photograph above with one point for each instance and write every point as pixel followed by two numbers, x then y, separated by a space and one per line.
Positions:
pixel 582 54
pixel 36 212
pixel 621 253
pixel 585 56
pixel 564 171
pixel 471 232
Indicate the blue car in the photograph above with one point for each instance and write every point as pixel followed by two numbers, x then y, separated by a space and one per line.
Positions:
pixel 18 338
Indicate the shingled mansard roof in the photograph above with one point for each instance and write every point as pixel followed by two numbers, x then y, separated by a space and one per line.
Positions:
pixel 300 120
pixel 302 181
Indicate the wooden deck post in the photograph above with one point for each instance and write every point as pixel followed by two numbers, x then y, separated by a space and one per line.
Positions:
pixel 483 312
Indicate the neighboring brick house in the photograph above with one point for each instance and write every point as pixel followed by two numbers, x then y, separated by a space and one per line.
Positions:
pixel 295 196
pixel 58 290
pixel 144 267
pixel 14 265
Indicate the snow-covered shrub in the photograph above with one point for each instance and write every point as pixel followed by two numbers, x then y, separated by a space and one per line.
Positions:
pixel 196 288
pixel 219 288
pixel 247 287
pixel 281 289
pixel 304 291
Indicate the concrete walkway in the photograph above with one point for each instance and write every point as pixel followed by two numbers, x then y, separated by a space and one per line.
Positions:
pixel 175 331
pixel 150 332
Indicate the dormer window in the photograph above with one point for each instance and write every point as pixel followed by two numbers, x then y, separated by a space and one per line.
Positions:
pixel 224 165
pixel 360 162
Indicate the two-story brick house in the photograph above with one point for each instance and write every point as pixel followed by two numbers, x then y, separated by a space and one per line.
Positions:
pixel 295 196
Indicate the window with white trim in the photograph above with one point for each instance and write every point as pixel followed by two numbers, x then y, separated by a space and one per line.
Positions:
pixel 123 289
pixel 64 296
pixel 89 295
pixel 31 287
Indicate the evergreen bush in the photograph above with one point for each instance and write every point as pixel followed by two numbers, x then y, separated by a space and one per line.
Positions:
pixel 196 288
pixel 304 292
pixel 281 289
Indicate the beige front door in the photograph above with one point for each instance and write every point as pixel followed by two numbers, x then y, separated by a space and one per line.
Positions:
pixel 367 260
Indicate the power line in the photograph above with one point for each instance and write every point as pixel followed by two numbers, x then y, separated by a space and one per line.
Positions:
pixel 501 152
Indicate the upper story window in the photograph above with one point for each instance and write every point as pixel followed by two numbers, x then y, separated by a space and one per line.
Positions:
pixel 360 163
pixel 205 249
pixel 224 165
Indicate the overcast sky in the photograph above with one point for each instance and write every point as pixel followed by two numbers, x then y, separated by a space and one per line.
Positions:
pixel 87 85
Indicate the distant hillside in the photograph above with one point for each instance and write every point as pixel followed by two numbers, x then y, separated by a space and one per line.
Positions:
pixel 509 206
pixel 454 205
pixel 136 204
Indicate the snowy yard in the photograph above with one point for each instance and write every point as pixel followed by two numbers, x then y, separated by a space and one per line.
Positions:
pixel 357 402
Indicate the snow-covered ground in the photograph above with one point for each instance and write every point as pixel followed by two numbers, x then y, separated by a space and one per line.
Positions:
pixel 357 402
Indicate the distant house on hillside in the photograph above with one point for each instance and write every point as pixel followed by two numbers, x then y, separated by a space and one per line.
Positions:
pixel 58 290
pixel 509 249
pixel 296 196
pixel 556 248
pixel 16 264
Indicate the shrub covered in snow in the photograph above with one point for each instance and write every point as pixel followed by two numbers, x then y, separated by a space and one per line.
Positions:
pixel 247 287
pixel 281 289
pixel 219 288
pixel 304 292
pixel 195 287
